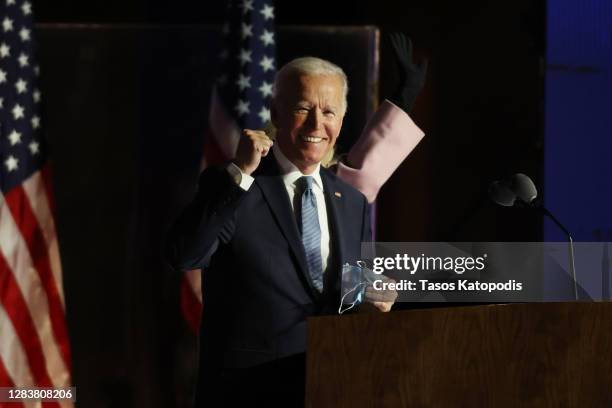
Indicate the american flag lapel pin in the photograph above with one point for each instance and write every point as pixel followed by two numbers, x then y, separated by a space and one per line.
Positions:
pixel 338 194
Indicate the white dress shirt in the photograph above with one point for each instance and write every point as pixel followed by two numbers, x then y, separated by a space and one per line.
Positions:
pixel 290 174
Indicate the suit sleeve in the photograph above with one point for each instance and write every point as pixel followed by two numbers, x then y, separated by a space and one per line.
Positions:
pixel 209 220
pixel 389 136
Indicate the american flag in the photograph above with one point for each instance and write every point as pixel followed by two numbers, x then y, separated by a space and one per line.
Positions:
pixel 34 344
pixel 239 100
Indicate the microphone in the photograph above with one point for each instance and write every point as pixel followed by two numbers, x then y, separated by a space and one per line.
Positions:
pixel 501 194
pixel 524 188
pixel 521 190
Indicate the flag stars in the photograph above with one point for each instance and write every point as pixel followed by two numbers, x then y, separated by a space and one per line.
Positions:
pixel 23 60
pixel 246 31
pixel 242 107
pixel 265 89
pixel 244 56
pixel 264 114
pixel 1 103
pixel 10 2
pixel 11 163
pixel 14 137
pixel 243 82
pixel 34 148
pixel 35 122
pixel 7 24
pixel 37 70
pixel 36 95
pixel 21 86
pixel 267 11
pixel 5 50
pixel 24 34
pixel 267 37
pixel 267 63
pixel 246 5
pixel 17 111
pixel 2 76
pixel 26 7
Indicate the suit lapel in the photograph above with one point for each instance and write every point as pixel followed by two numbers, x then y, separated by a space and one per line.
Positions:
pixel 274 192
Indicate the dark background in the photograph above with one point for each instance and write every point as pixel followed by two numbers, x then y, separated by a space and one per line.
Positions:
pixel 482 107
pixel 481 110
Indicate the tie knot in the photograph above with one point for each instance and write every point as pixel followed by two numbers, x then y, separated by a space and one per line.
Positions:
pixel 305 183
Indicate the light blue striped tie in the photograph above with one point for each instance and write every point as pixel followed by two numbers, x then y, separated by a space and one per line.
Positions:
pixel 311 232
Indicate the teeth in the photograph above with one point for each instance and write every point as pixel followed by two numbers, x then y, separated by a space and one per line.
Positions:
pixel 311 139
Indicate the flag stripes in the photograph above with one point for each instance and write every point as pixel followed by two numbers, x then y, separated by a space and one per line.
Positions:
pixel 38 195
pixel 19 205
pixel 27 293
pixel 34 346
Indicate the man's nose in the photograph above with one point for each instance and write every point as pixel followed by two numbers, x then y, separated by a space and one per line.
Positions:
pixel 315 118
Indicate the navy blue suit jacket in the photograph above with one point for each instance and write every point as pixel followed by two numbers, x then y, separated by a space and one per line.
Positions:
pixel 257 292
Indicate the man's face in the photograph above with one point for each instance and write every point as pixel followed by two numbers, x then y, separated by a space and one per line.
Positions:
pixel 307 114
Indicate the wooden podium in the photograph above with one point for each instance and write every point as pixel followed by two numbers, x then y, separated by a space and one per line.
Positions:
pixel 516 355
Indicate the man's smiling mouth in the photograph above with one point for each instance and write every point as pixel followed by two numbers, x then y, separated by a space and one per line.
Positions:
pixel 311 139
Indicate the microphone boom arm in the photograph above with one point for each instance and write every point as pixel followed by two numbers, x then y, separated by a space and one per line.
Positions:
pixel 571 247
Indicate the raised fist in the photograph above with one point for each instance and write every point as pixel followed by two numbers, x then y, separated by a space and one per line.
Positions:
pixel 253 145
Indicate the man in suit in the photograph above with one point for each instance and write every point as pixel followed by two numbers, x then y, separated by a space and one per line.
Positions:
pixel 272 229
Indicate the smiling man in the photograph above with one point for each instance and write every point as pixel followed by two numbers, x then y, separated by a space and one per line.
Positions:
pixel 271 230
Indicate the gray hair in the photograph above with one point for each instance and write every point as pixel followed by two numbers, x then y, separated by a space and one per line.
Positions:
pixel 311 66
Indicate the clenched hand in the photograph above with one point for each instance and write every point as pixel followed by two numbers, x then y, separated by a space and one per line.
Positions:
pixel 253 145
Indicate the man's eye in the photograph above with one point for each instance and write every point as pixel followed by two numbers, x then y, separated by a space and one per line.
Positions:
pixel 301 110
pixel 329 113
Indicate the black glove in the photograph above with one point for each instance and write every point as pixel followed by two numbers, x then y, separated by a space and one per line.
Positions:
pixel 411 75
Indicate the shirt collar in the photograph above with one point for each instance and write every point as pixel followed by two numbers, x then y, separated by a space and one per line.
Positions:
pixel 291 173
